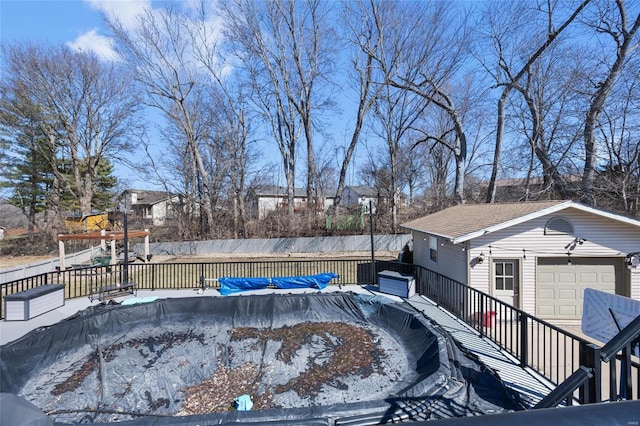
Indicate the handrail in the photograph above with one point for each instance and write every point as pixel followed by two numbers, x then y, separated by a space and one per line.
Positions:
pixel 566 389
pixel 626 336
pixel 593 371
pixel 551 351
pixel 186 275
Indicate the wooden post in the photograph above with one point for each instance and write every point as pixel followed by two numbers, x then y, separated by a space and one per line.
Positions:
pixel 146 246
pixel 103 243
pixel 114 259
pixel 63 266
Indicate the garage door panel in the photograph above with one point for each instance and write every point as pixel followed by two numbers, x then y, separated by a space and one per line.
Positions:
pixel 546 294
pixel 566 277
pixel 567 293
pixel 546 310
pixel 547 277
pixel 566 311
pixel 560 287
pixel 588 277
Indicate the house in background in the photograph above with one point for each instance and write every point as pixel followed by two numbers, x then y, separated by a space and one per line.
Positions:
pixel 538 256
pixel 152 206
pixel 269 198
pixel 363 195
pixel 91 222
pixel 360 196
pixel 533 188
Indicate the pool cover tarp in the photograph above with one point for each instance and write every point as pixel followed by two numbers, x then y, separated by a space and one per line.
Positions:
pixel 229 285
pixel 301 358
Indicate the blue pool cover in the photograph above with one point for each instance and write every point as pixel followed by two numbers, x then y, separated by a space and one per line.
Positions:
pixel 229 285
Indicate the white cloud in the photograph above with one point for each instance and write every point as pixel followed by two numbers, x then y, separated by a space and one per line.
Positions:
pixel 91 41
pixel 124 11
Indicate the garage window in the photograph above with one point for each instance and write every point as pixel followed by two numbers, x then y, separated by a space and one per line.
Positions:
pixel 433 249
pixel 558 226
pixel 504 275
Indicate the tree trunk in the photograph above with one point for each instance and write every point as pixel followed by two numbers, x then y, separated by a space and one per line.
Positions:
pixel 497 153
pixel 597 105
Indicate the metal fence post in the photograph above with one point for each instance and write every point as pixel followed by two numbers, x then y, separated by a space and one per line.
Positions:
pixel 589 355
pixel 524 340
pixel 480 313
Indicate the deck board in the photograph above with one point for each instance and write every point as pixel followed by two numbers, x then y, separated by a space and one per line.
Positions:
pixel 530 385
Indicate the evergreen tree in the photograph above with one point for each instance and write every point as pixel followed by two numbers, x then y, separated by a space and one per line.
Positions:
pixel 26 170
pixel 104 183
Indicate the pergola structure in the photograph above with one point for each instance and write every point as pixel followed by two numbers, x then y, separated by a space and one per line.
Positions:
pixel 103 236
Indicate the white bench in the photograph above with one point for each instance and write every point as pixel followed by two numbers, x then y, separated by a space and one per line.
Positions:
pixel 30 303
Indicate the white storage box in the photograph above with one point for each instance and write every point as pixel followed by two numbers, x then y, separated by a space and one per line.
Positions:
pixel 398 284
pixel 30 303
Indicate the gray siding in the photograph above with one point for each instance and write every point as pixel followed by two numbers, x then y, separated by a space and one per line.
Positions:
pixel 451 260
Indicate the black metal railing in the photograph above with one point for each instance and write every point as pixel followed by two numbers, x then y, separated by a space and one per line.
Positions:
pixel 551 351
pixel 81 282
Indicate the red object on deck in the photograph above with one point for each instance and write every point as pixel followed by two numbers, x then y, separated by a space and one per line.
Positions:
pixel 487 318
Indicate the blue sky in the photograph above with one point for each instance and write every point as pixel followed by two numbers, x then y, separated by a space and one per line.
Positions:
pixel 79 24
pixel 76 23
pixel 46 21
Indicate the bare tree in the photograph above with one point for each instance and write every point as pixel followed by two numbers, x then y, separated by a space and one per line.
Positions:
pixel 547 95
pixel 231 123
pixel 505 31
pixel 284 45
pixel 364 41
pixel 413 167
pixel 618 180
pixel 396 113
pixel 423 49
pixel 159 50
pixel 611 20
pixel 87 110
pixel 438 156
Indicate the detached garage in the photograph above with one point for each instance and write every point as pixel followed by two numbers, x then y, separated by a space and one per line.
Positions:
pixel 538 256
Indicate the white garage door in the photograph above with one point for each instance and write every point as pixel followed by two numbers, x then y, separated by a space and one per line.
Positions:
pixel 560 287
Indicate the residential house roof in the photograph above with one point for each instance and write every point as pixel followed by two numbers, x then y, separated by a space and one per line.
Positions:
pixel 364 191
pixel 278 191
pixel 150 197
pixel 78 215
pixel 464 222
pixel 534 180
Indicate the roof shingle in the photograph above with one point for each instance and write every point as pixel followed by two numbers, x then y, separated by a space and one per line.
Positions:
pixel 465 219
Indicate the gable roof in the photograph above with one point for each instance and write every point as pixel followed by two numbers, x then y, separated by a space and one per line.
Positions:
pixel 281 191
pixel 277 191
pixel 364 191
pixel 147 197
pixel 467 221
